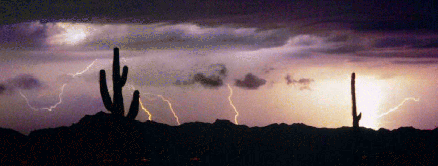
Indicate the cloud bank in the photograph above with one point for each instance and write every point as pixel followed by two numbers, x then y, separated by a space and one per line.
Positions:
pixel 22 81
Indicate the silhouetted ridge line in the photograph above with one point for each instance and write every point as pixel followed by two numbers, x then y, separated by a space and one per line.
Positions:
pixel 104 139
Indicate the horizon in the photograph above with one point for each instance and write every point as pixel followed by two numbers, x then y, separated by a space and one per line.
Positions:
pixel 285 66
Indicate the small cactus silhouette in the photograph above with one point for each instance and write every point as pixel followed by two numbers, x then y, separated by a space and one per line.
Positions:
pixel 116 106
pixel 353 94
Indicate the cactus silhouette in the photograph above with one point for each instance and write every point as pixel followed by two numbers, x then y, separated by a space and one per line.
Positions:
pixel 116 106
pixel 353 94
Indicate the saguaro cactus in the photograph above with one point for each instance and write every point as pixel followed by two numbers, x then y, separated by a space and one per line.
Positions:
pixel 353 94
pixel 116 106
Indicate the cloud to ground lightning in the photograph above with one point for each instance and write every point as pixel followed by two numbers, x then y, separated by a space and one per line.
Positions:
pixel 232 105
pixel 398 106
pixel 145 110
pixel 27 101
pixel 171 109
pixel 46 108
pixel 141 104
pixel 50 108
pixel 162 98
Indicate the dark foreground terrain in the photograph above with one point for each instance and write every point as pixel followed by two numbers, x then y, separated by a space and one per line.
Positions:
pixel 103 139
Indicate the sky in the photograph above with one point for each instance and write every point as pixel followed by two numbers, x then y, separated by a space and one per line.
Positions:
pixel 283 62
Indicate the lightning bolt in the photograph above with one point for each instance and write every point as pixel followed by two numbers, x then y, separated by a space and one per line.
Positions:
pixel 83 71
pixel 398 106
pixel 27 101
pixel 145 110
pixel 171 109
pixel 60 94
pixel 62 91
pixel 162 98
pixel 60 100
pixel 232 105
pixel 46 108
pixel 141 104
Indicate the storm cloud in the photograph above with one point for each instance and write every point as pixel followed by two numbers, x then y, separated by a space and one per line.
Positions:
pixel 407 41
pixel 2 88
pixel 426 62
pixel 212 81
pixel 23 81
pixel 217 73
pixel 28 34
pixel 303 83
pixel 250 82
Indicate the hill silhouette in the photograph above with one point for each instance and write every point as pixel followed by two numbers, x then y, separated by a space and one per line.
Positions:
pixel 106 139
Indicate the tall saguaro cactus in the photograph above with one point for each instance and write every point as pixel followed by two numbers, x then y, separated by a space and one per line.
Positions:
pixel 353 94
pixel 116 106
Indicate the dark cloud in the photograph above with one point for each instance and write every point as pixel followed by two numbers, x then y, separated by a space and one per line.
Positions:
pixel 304 83
pixel 409 42
pixel 23 35
pixel 212 81
pixel 2 88
pixel 23 81
pixel 37 35
pixel 250 82
pixel 428 62
pixel 289 80
pixel 217 73
pixel 190 35
pixel 365 14
pixel 401 15
pixel 397 42
pixel 430 44
pixel 404 53
pixel 395 25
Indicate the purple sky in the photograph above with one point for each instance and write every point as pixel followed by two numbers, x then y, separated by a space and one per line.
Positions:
pixel 285 62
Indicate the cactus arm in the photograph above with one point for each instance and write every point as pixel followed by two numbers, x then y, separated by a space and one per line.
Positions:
pixel 133 110
pixel 106 98
pixel 124 77
pixel 360 116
